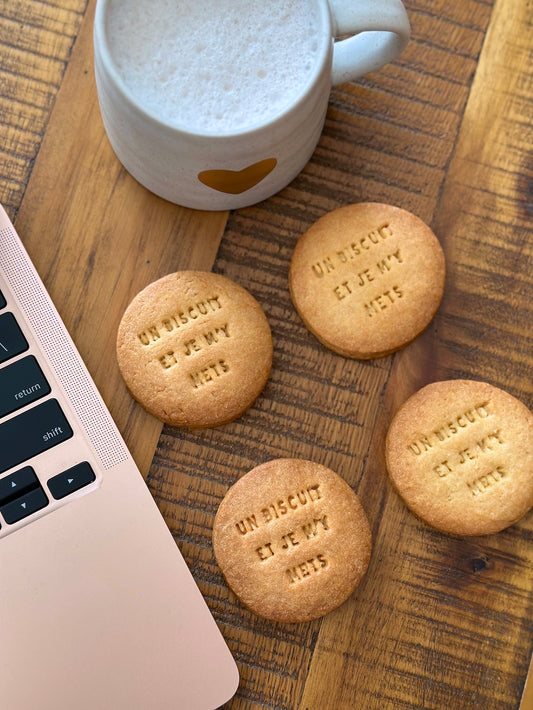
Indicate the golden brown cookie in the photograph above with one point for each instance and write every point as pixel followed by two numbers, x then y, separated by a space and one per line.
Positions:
pixel 460 453
pixel 292 540
pixel 195 349
pixel 366 279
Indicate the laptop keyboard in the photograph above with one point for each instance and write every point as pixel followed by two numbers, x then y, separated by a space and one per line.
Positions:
pixel 39 426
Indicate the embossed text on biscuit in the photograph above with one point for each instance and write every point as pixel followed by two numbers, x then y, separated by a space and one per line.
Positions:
pixel 307 568
pixel 170 358
pixel 209 374
pixel 451 428
pixel 488 443
pixel 380 297
pixel 290 541
pixel 292 538
pixel 279 508
pixel 383 301
pixel 482 483
pixel 190 313
pixel 475 457
pixel 352 250
pixel 470 458
pixel 206 339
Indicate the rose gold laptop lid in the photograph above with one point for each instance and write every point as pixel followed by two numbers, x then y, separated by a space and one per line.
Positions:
pixel 97 606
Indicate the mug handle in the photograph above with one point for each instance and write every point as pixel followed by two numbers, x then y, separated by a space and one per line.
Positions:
pixel 378 29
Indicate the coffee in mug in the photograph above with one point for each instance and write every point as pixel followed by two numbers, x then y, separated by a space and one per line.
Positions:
pixel 218 104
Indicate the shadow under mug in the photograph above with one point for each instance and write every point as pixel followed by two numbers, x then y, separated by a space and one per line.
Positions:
pixel 210 171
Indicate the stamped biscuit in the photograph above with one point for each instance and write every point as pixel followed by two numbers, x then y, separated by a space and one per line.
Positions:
pixel 366 279
pixel 292 540
pixel 460 453
pixel 195 349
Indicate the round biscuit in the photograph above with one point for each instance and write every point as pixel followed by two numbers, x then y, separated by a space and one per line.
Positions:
pixel 292 540
pixel 195 349
pixel 460 454
pixel 367 278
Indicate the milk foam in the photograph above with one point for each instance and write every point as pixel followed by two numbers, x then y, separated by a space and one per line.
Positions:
pixel 214 66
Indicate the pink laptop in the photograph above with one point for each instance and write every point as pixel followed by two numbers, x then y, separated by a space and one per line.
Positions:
pixel 97 606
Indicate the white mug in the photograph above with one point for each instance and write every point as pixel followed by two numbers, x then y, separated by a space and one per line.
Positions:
pixel 246 116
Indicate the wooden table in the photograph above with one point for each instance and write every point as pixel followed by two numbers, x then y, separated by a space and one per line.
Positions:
pixel 439 622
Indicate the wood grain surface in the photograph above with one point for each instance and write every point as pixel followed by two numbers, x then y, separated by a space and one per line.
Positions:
pixel 445 131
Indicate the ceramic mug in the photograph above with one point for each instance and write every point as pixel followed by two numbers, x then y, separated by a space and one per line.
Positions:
pixel 219 104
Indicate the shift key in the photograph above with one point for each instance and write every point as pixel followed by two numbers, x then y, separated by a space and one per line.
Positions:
pixel 31 433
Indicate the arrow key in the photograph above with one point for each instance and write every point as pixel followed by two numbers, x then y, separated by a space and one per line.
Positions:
pixel 24 505
pixel 71 480
pixel 17 484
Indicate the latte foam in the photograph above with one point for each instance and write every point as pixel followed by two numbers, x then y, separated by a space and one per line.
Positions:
pixel 215 66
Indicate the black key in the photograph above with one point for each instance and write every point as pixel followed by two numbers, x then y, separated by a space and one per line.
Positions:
pixel 12 340
pixel 24 505
pixel 2 300
pixel 32 432
pixel 21 383
pixel 71 480
pixel 17 484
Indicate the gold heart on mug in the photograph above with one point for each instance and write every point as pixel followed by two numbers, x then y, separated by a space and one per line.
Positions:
pixel 233 182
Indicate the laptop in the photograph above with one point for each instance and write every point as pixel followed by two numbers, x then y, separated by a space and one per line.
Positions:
pixel 97 606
